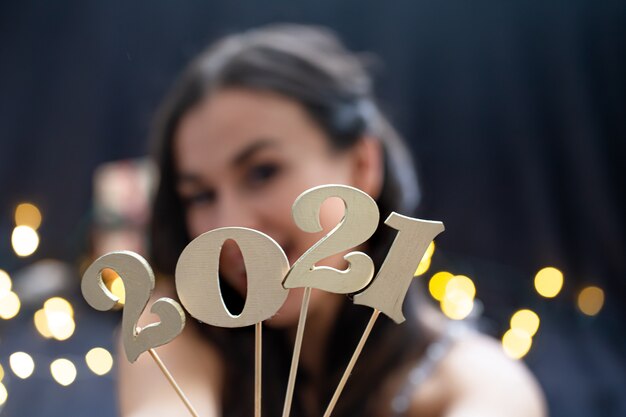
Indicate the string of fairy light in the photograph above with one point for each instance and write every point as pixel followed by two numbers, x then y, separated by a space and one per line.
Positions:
pixel 456 295
pixel 54 320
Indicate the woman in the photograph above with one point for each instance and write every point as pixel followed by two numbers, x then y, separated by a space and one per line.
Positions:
pixel 252 123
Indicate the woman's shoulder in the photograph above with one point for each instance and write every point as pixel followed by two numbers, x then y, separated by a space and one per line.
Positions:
pixel 476 378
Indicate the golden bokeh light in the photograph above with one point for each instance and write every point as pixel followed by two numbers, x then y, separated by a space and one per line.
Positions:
pixel 25 240
pixel 1 373
pixel 61 325
pixel 516 343
pixel 3 394
pixel 526 320
pixel 22 364
pixel 99 360
pixel 425 262
pixel 5 283
pixel 591 300
pixel 41 323
pixel 9 305
pixel 437 284
pixel 117 288
pixel 27 214
pixel 63 371
pixel 422 267
pixel 58 305
pixel 548 282
pixel 463 284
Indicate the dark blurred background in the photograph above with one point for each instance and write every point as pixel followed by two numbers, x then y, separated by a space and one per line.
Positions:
pixel 515 112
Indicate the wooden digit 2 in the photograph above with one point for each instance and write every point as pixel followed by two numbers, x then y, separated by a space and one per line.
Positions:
pixel 138 281
pixel 358 224
pixel 197 277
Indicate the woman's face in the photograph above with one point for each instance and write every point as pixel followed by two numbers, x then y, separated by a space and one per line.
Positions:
pixel 242 158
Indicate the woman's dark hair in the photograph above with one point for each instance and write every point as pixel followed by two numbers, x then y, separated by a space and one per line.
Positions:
pixel 309 65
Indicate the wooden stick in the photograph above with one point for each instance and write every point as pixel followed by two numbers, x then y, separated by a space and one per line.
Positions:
pixel 296 352
pixel 173 383
pixel 258 355
pixel 352 362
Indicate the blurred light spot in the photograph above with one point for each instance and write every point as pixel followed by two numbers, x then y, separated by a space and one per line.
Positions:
pixel 425 262
pixel 27 214
pixel 25 240
pixel 548 282
pixel 5 283
pixel 22 364
pixel 430 250
pixel 63 371
pixel 117 288
pixel 1 373
pixel 591 300
pixel 516 343
pixel 41 323
pixel 3 394
pixel 58 305
pixel 9 305
pixel 457 305
pixel 99 360
pixel 422 267
pixel 463 284
pixel 437 284
pixel 61 325
pixel 526 320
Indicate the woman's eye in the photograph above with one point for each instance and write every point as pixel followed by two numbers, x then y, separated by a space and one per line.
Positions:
pixel 262 173
pixel 205 197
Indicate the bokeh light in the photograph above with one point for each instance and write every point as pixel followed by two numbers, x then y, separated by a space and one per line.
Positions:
pixel 548 282
pixel 41 323
pixel 3 394
pixel 516 343
pixel 437 284
pixel 5 283
pixel 27 214
pixel 25 240
pixel 61 325
pixel 58 305
pixel 526 320
pixel 22 364
pixel 425 262
pixel 117 288
pixel 458 299
pixel 591 300
pixel 1 373
pixel 9 305
pixel 59 318
pixel 63 371
pixel 99 360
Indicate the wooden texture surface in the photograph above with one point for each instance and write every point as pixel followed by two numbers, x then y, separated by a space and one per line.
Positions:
pixel 358 224
pixel 387 291
pixel 197 277
pixel 138 281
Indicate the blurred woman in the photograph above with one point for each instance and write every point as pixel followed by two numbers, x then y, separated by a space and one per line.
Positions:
pixel 253 122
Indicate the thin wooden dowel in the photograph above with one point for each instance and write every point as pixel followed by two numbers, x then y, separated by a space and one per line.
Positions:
pixel 296 352
pixel 172 382
pixel 258 356
pixel 355 356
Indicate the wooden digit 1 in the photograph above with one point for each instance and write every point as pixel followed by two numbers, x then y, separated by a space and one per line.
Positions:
pixel 138 280
pixel 198 286
pixel 359 223
pixel 387 292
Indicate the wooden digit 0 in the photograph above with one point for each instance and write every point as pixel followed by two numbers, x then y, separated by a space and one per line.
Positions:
pixel 138 280
pixel 197 277
pixel 358 224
